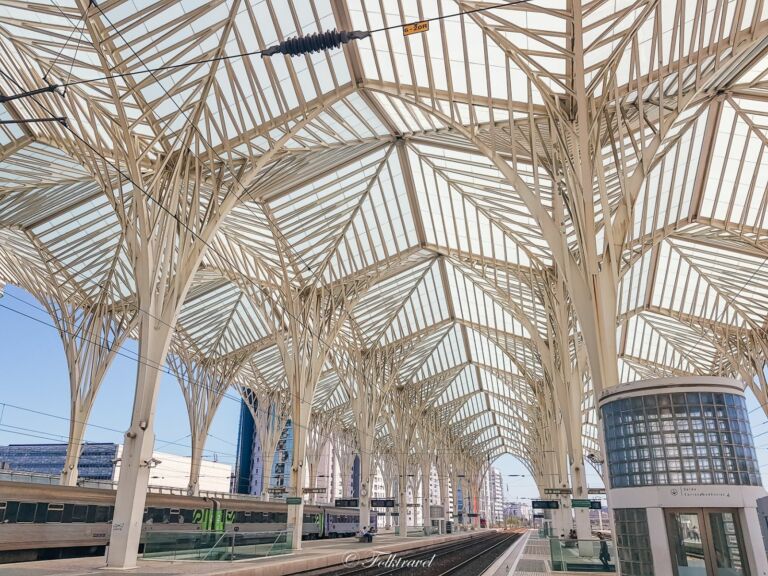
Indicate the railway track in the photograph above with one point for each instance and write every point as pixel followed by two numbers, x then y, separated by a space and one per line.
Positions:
pixel 463 558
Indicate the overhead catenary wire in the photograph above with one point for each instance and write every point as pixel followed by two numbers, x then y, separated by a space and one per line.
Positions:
pixel 155 201
pixel 236 399
pixel 395 26
pixel 296 46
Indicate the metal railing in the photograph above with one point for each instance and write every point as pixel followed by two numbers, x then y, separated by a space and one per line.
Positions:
pixel 54 480
pixel 582 555
pixel 28 477
pixel 227 546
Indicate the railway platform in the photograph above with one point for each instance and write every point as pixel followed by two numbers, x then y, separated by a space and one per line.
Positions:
pixel 315 554
pixel 530 556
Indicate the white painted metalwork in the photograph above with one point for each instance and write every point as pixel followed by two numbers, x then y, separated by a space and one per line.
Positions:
pixel 481 226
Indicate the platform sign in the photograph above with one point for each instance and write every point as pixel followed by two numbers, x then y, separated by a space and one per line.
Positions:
pixel 394 514
pixel 347 503
pixel 596 490
pixel 473 515
pixel 277 490
pixel 414 505
pixel 545 504
pixel 579 503
pixel 435 511
pixel 314 490
pixel 382 502
pixel 415 28
pixel 293 500
pixel 557 491
pixel 596 504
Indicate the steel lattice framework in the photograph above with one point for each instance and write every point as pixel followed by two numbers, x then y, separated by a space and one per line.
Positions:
pixel 487 223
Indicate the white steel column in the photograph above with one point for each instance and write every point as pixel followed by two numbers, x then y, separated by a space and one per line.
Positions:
pixel 154 339
pixel 426 513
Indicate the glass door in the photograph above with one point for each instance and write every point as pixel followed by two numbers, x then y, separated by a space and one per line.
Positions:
pixel 685 530
pixel 706 542
pixel 727 544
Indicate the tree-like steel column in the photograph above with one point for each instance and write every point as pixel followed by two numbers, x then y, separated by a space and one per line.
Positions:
pixel 306 321
pixel 270 408
pixel 367 377
pixel 344 447
pixel 92 328
pixel 402 430
pixel 203 382
pixel 388 470
pixel 318 438
pixel 427 439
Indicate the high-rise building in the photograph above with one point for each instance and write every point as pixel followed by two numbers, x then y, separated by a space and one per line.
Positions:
pixel 495 494
pixel 250 459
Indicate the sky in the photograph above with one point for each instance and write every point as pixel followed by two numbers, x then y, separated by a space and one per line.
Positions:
pixel 34 399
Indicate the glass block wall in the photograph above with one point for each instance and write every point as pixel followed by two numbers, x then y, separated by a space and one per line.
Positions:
pixel 679 438
pixel 633 545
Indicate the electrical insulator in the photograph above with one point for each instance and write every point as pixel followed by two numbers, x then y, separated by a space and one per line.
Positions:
pixel 316 42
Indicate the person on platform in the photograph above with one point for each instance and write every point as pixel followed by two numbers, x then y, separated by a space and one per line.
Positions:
pixel 605 556
pixel 365 535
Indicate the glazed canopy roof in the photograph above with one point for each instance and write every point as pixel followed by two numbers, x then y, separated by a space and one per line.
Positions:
pixel 389 169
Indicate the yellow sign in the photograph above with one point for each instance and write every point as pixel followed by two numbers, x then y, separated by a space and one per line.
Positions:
pixel 415 28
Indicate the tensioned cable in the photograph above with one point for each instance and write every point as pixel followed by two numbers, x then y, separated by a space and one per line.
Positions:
pixel 178 220
pixel 148 70
pixel 296 46
pixel 309 45
pixel 200 385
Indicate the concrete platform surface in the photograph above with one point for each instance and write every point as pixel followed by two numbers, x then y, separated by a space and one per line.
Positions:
pixel 314 554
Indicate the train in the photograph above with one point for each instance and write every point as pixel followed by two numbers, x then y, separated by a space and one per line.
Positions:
pixel 41 522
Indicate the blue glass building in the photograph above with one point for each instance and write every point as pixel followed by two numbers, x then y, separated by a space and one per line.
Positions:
pixel 96 460
pixel 250 463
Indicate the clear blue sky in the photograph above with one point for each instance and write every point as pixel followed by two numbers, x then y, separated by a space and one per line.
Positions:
pixel 33 375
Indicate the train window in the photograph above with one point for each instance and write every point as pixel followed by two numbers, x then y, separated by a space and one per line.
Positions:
pixel 11 510
pixel 101 514
pixel 55 513
pixel 79 513
pixel 66 515
pixel 2 512
pixel 41 513
pixel 90 515
pixel 159 515
pixel 186 516
pixel 26 512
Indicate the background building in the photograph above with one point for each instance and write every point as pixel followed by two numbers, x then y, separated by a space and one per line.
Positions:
pixel 494 486
pixel 250 460
pixel 517 513
pixel 101 461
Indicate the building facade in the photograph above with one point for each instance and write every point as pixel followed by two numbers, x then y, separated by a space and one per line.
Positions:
pixel 97 460
pixel 494 487
pixel 249 466
pixel 101 462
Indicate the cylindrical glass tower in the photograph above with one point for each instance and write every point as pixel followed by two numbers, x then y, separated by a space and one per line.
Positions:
pixel 683 478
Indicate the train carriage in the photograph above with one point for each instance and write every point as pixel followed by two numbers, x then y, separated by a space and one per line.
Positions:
pixel 48 521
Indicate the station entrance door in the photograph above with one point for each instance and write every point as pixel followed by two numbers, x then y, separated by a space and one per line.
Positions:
pixel 706 542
